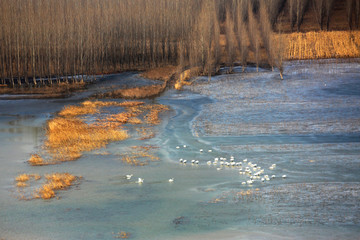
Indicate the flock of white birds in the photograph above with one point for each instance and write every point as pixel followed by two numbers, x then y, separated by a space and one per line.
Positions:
pixel 245 167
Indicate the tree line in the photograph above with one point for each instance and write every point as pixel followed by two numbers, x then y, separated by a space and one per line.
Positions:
pixel 49 41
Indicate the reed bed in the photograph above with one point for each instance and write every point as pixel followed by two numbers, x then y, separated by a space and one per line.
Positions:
pixel 140 156
pixel 54 182
pixel 69 135
pixel 316 45
pixel 47 190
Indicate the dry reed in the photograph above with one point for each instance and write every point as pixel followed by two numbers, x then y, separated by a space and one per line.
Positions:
pixel 68 135
pixel 55 181
pixel 140 156
pixel 316 45
pixel 122 235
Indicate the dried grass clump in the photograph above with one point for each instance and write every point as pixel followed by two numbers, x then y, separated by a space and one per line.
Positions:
pixel 145 133
pixel 69 137
pixel 160 73
pixel 185 76
pixel 22 179
pixel 122 235
pixel 153 116
pixel 37 160
pixel 56 181
pixel 96 104
pixel 72 111
pixel 136 92
pixel 22 184
pixel 135 120
pixel 140 156
pixel 26 177
pixel 92 107
pixel 121 117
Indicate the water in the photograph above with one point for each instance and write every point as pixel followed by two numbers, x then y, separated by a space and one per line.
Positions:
pixel 308 125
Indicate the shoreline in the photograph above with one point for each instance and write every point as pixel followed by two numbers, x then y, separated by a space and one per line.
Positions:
pixel 169 75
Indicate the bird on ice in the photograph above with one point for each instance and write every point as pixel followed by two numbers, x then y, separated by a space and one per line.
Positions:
pixel 128 176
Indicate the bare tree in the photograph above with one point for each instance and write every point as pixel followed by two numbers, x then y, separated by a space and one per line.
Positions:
pixel 254 35
pixel 230 40
pixel 328 8
pixel 349 11
pixel 242 35
pixel 319 9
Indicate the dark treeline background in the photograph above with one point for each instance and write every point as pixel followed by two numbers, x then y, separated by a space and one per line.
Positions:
pixel 49 39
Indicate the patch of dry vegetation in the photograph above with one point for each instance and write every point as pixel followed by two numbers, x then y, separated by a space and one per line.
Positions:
pixel 160 73
pixel 315 45
pixel 54 182
pixel 54 91
pixel 152 117
pixel 140 156
pixel 22 179
pixel 145 133
pixel 122 235
pixel 68 135
pixel 136 92
pixel 37 160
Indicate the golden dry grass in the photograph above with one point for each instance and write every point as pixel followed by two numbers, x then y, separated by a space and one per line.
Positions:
pixel 122 235
pixel 315 45
pixel 26 177
pixel 154 110
pixel 140 156
pixel 92 107
pixel 145 133
pixel 23 177
pixel 160 73
pixel 137 92
pixel 68 135
pixel 55 181
pixel 22 184
pixel 37 160
pixel 185 76
pixel 78 110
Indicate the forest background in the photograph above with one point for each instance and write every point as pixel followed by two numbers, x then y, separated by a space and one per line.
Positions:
pixel 44 42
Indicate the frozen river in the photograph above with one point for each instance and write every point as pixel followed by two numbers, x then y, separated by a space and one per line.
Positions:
pixel 308 125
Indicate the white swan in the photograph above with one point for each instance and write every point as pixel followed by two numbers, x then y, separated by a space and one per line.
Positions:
pixel 171 180
pixel 128 176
